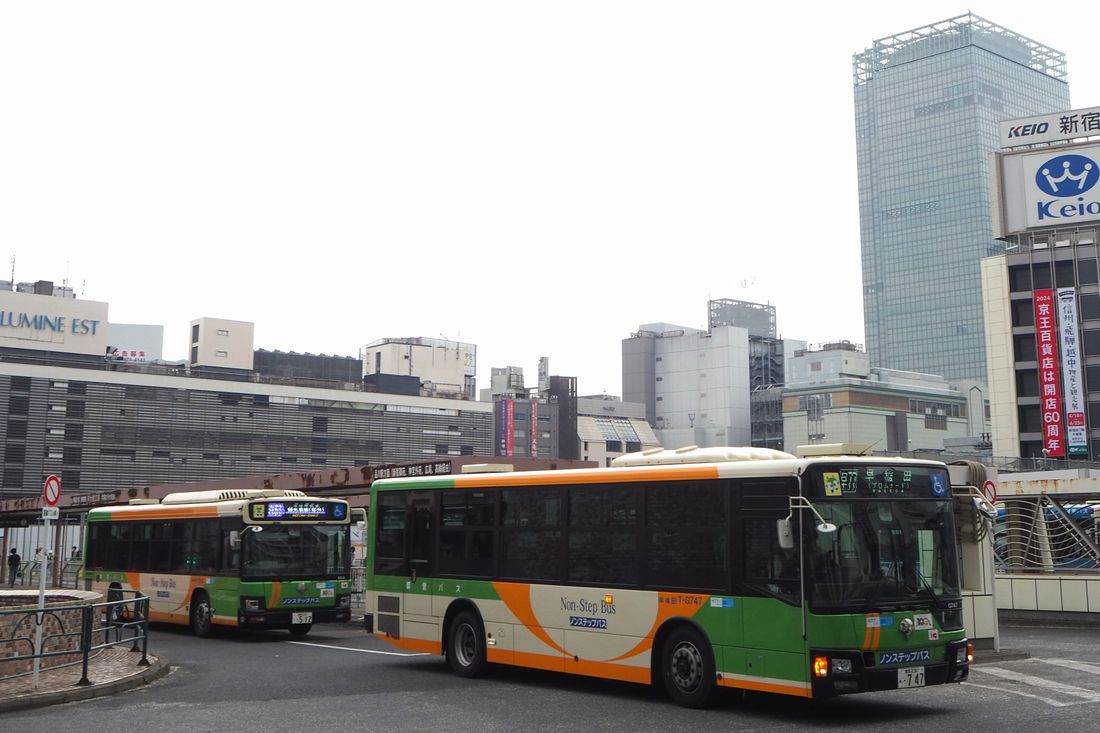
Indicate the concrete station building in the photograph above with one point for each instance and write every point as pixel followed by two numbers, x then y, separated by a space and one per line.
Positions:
pixel 93 403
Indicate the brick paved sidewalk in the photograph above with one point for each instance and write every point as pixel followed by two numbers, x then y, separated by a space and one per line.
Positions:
pixel 113 670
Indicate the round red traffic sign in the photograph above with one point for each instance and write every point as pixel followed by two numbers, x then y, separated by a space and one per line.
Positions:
pixel 989 491
pixel 51 490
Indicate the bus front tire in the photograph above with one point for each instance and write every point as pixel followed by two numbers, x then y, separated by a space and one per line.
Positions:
pixel 687 667
pixel 300 629
pixel 466 645
pixel 202 615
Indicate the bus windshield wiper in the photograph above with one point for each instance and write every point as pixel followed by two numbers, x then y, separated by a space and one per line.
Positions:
pixel 931 593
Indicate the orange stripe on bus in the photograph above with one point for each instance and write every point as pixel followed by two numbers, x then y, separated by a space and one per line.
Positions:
pixel 668 606
pixel 586 476
pixel 276 594
pixel 175 618
pixel 534 660
pixel 422 646
pixel 553 663
pixel 868 635
pixel 766 687
pixel 517 597
pixel 608 670
pixel 166 513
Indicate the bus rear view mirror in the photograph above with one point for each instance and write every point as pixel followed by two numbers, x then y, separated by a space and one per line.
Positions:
pixel 785 533
pixel 986 509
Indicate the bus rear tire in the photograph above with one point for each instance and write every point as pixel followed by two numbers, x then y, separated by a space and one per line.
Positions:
pixel 300 629
pixel 202 615
pixel 687 667
pixel 466 645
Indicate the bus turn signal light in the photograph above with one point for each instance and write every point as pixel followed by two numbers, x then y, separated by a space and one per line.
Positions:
pixel 821 667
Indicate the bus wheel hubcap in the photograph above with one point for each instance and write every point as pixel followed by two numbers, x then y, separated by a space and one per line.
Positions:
pixel 687 666
pixel 466 646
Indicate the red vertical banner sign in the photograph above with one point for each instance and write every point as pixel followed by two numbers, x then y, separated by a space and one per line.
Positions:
pixel 1046 343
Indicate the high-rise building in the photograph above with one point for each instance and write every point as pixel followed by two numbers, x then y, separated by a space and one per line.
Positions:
pixel 927 107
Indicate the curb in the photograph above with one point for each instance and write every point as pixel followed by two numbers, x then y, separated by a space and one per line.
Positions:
pixel 155 670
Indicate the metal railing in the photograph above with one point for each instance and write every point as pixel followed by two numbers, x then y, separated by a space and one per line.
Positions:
pixel 27 576
pixel 358 587
pixel 84 630
pixel 1045 534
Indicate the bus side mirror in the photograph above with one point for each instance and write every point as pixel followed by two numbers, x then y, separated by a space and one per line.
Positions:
pixel 358 515
pixel 986 509
pixel 785 533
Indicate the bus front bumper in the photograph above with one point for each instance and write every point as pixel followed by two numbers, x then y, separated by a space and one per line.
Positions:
pixel 865 676
pixel 284 619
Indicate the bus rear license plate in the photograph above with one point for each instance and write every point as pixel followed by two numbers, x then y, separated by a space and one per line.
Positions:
pixel 911 677
pixel 307 618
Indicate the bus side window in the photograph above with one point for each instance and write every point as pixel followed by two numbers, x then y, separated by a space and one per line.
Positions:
pixel 390 559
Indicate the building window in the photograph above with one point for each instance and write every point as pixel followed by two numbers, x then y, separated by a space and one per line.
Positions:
pixel 1090 306
pixel 1023 313
pixel 1086 272
pixel 1092 342
pixel 935 422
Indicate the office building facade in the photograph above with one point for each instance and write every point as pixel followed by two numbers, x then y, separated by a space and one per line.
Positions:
pixel 927 107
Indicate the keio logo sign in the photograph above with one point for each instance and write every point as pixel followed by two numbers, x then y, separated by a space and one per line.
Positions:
pixel 1066 178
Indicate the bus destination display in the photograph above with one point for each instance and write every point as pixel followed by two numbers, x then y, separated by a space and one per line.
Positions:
pixel 297 511
pixel 884 481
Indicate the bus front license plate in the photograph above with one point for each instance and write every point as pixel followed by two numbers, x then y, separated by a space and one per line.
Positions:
pixel 911 677
pixel 307 618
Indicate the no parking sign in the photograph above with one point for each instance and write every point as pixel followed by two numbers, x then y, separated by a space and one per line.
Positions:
pixel 51 490
pixel 989 491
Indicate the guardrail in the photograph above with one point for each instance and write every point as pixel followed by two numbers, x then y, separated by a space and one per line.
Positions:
pixel 73 632
pixel 358 587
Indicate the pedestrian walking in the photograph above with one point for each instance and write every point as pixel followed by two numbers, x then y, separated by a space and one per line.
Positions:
pixel 14 561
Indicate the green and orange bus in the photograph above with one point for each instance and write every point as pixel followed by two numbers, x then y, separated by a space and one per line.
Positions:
pixel 234 558
pixel 693 569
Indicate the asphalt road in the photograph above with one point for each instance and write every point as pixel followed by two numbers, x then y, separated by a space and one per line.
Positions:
pixel 338 678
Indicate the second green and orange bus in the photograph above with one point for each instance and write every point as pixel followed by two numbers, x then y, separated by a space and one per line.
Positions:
pixel 693 569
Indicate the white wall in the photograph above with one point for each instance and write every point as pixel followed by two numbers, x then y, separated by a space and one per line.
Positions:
pixel 1000 358
pixel 703 387
pixel 223 343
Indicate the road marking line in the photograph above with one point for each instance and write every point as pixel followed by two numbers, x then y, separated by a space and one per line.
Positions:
pixel 364 651
pixel 1027 679
pixel 1071 664
pixel 1047 700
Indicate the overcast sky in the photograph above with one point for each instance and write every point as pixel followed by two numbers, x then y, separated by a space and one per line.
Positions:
pixel 538 179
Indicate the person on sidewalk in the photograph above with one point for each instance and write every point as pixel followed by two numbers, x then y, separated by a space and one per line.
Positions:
pixel 14 561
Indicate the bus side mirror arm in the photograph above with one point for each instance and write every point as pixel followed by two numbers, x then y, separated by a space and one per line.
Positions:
pixel 783 526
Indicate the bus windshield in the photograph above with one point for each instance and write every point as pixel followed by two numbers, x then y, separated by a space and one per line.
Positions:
pixel 288 552
pixel 885 554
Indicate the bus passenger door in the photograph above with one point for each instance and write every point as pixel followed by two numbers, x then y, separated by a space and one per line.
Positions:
pixel 418 587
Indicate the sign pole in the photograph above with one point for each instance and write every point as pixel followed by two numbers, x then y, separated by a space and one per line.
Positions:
pixel 51 492
pixel 40 616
